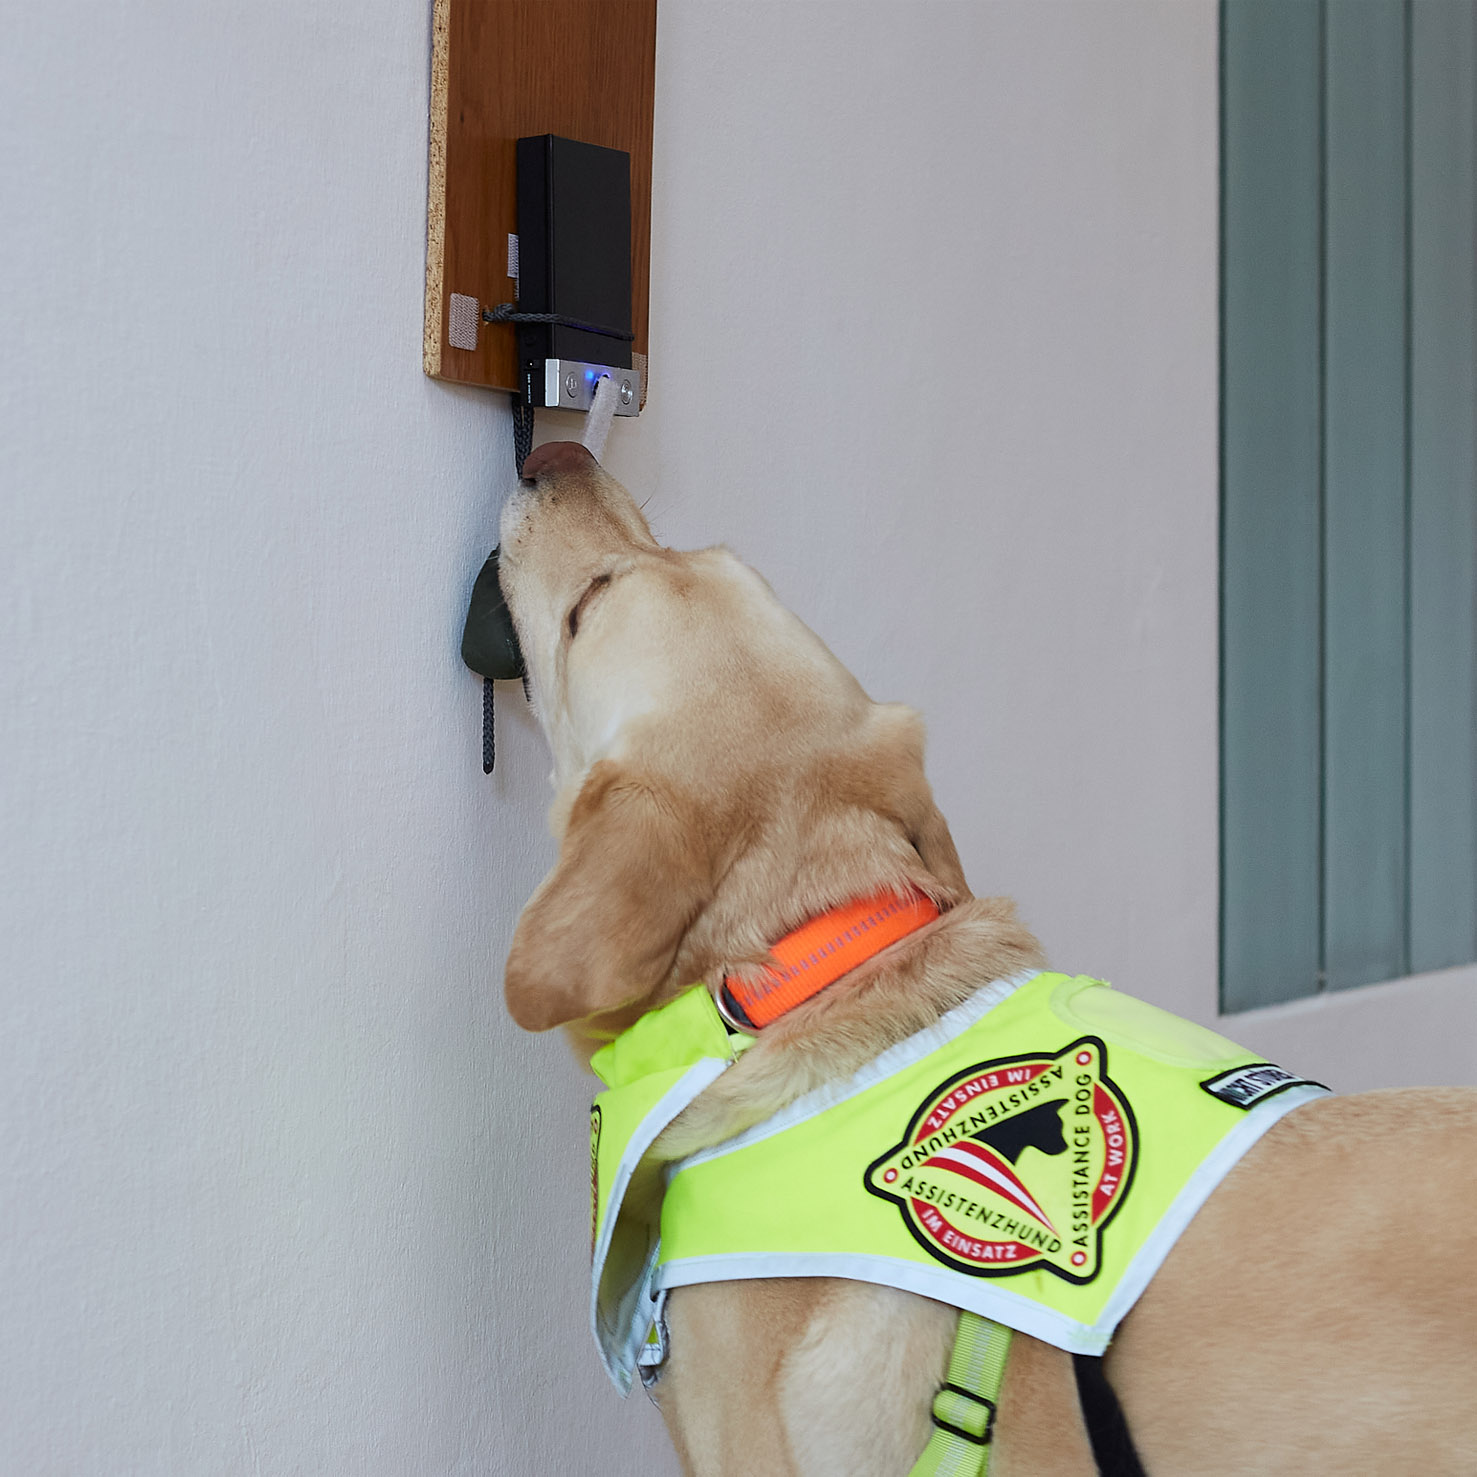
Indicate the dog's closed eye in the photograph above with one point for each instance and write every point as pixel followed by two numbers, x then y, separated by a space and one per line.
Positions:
pixel 595 586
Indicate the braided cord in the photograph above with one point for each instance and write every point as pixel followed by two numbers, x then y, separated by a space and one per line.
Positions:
pixel 522 433
pixel 522 445
pixel 489 734
pixel 508 313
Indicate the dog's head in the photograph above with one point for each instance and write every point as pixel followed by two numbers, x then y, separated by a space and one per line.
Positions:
pixel 719 776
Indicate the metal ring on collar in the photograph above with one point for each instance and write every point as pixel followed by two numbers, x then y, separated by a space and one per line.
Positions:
pixel 731 1014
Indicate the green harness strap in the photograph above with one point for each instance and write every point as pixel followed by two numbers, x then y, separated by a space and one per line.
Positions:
pixel 964 1408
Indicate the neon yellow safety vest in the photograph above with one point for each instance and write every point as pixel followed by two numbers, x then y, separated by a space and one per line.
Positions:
pixel 1032 1157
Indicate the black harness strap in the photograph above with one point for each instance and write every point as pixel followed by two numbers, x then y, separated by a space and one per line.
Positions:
pixel 1112 1445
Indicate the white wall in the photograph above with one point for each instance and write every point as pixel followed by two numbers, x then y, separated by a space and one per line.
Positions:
pixel 933 345
pixel 277 1176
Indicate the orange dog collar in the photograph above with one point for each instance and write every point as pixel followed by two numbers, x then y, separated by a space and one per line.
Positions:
pixel 819 952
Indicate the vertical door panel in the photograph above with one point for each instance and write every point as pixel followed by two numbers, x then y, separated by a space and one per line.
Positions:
pixel 1364 430
pixel 1443 717
pixel 1270 534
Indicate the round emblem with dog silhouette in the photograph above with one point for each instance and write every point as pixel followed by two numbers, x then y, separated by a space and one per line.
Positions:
pixel 1015 1164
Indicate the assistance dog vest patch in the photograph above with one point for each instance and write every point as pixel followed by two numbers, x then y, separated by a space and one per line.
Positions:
pixel 973 1133
pixel 1032 1157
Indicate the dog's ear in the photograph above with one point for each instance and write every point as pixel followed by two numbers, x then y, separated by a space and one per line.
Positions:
pixel 929 834
pixel 605 925
pixel 893 781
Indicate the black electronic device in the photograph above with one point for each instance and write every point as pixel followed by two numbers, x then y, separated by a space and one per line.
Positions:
pixel 574 273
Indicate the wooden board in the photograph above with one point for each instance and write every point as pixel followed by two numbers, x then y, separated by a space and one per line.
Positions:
pixel 506 69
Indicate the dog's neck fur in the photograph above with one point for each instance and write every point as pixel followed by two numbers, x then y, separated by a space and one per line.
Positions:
pixel 903 990
pixel 877 831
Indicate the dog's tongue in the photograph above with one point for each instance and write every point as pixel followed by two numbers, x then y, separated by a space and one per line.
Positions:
pixel 489 642
pixel 557 456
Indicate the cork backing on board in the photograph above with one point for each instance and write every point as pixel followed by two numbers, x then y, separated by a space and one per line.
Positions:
pixel 507 69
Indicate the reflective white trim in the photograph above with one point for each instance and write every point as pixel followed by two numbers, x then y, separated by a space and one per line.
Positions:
pixel 620 1338
pixel 990 1299
pixel 620 1342
pixel 993 1298
pixel 892 1061
pixel 1196 1191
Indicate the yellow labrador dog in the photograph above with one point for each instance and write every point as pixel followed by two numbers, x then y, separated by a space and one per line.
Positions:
pixel 718 774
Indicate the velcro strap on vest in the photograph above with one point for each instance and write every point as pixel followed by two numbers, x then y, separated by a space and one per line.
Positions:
pixel 970 1416
pixel 964 1408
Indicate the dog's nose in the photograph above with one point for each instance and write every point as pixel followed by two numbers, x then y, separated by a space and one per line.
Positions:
pixel 557 456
